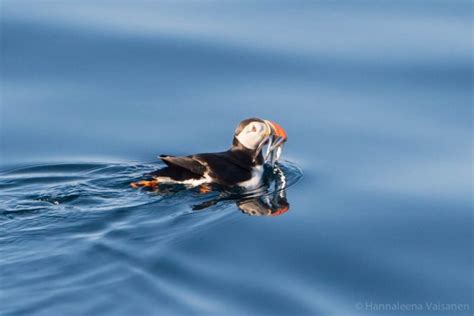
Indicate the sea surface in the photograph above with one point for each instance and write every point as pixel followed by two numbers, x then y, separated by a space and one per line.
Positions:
pixel 376 97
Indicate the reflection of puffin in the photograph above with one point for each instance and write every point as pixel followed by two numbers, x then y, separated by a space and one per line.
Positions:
pixel 268 205
pixel 241 165
pixel 262 202
pixel 264 207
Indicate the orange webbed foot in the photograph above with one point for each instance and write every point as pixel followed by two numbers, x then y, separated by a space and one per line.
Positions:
pixel 204 188
pixel 145 184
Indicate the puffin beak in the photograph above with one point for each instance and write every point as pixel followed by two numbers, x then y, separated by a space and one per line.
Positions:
pixel 277 130
pixel 279 138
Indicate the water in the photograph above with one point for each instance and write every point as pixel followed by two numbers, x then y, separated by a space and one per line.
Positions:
pixel 376 98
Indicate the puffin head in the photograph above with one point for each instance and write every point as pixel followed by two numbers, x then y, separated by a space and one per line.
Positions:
pixel 254 133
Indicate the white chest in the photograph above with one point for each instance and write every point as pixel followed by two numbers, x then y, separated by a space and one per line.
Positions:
pixel 255 180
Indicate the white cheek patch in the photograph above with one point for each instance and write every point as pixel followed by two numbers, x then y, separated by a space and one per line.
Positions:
pixel 248 140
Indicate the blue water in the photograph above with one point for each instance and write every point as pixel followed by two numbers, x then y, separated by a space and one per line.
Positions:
pixel 376 97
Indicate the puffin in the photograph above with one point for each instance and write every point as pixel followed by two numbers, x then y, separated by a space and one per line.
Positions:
pixel 240 166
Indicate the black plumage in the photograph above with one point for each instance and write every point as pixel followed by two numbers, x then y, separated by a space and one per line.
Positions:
pixel 226 168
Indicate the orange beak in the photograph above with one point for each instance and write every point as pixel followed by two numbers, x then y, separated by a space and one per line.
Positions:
pixel 278 130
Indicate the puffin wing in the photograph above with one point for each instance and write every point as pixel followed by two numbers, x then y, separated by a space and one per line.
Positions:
pixel 189 163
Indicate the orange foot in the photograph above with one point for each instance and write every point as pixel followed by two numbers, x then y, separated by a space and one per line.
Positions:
pixel 204 188
pixel 145 184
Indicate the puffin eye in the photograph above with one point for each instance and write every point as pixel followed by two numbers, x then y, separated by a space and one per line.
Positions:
pixel 254 129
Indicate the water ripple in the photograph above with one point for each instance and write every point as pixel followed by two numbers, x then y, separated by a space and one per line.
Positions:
pixel 58 216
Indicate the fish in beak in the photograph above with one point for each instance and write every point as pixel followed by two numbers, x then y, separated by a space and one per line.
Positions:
pixel 276 140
